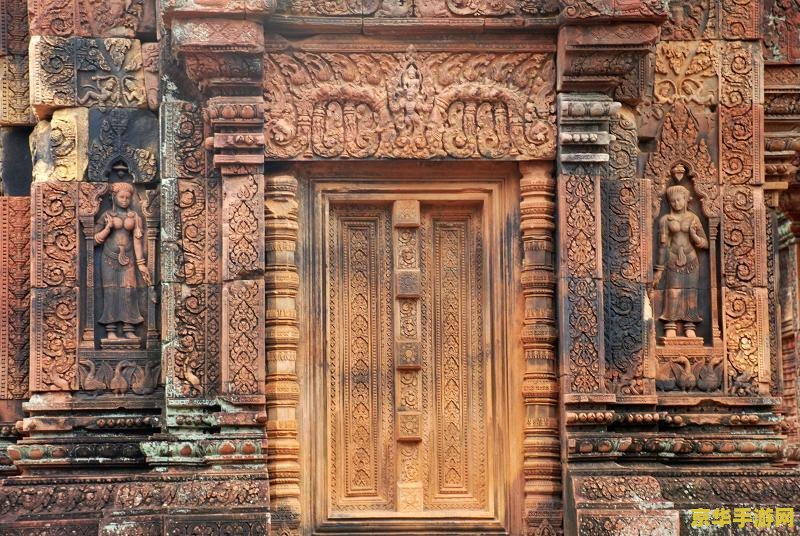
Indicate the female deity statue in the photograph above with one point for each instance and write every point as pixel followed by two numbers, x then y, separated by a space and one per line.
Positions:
pixel 123 244
pixel 680 234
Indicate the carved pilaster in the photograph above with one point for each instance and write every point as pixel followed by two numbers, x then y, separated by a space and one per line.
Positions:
pixel 626 267
pixel 782 191
pixel 542 447
pixel 583 160
pixel 14 317
pixel 282 337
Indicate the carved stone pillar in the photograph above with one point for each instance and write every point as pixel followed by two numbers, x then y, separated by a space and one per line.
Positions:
pixel 282 336
pixel 542 447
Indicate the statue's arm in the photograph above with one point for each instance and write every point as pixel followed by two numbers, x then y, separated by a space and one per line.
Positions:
pixel 663 243
pixel 698 234
pixel 138 241
pixel 102 234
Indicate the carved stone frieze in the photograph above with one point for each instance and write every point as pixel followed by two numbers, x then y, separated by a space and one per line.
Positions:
pixel 86 18
pixel 429 9
pixel 584 122
pixel 74 71
pixel 625 225
pixel 54 252
pixel 408 103
pixel 192 316
pixel 15 302
pixel 15 281
pixel 221 54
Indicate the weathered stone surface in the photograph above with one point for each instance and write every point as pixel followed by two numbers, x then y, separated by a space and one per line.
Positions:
pixel 59 147
pixel 88 18
pixel 463 266
pixel 72 71
pixel 15 106
pixel 122 136
pixel 15 162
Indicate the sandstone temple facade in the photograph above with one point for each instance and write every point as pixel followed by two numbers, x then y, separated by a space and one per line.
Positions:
pixel 523 267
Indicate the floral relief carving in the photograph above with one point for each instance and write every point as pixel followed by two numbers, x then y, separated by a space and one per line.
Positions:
pixel 408 105
pixel 687 72
pixel 15 295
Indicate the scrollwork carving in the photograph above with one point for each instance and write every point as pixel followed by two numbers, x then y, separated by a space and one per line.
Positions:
pixel 412 105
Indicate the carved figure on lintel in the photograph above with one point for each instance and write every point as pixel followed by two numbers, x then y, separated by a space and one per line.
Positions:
pixel 680 235
pixel 122 238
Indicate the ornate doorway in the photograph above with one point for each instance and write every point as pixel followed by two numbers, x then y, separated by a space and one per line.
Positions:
pixel 407 366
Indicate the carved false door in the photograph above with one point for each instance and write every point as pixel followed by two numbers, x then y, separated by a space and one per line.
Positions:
pixel 408 365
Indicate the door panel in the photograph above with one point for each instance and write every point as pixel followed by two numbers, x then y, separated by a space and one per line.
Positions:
pixel 406 367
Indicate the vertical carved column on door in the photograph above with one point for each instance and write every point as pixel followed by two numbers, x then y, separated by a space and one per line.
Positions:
pixel 15 219
pixel 282 337
pixel 408 352
pixel 542 446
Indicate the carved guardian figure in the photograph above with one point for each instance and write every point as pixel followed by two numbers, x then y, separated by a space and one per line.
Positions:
pixel 680 234
pixel 123 252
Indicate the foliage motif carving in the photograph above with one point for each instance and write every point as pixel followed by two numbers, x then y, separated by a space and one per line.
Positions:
pixel 55 235
pixel 118 18
pixel 194 340
pixel 74 71
pixel 421 8
pixel 192 230
pixel 687 72
pixel 624 245
pixel 55 324
pixel 14 297
pixel 182 137
pixel 14 21
pixel 411 105
pixel 582 222
pixel 243 340
pixel 360 334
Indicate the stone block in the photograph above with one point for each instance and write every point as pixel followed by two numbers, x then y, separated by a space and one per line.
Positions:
pixel 15 162
pixel 59 147
pixel 123 144
pixel 89 18
pixel 15 106
pixel 69 72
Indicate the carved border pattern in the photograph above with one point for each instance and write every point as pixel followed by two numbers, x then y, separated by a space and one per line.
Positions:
pixel 15 294
pixel 625 250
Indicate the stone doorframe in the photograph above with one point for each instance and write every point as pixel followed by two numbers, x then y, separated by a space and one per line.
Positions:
pixel 494 187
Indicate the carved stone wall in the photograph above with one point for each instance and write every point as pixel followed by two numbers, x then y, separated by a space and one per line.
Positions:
pixel 392 266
